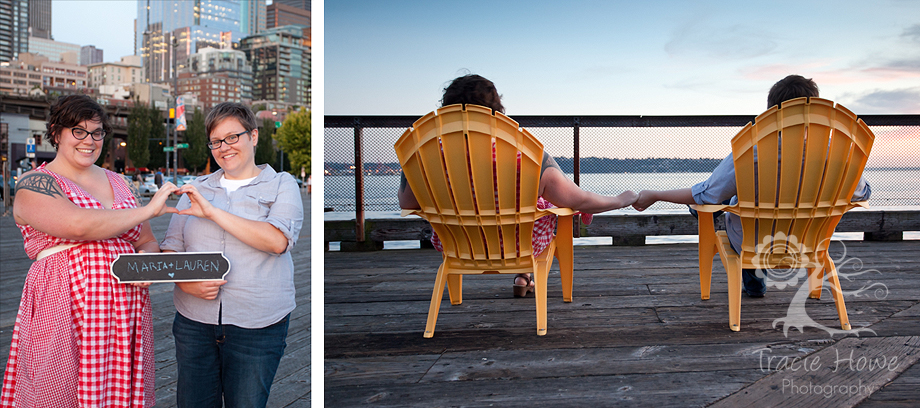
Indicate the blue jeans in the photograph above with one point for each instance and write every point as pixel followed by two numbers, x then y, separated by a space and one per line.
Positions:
pixel 226 363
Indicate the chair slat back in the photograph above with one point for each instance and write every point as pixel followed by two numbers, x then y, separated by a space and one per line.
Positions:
pixel 478 206
pixel 796 169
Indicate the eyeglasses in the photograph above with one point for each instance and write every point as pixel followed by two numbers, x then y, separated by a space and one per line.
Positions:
pixel 215 144
pixel 81 134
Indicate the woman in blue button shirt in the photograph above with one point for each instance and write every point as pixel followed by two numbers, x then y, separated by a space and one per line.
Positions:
pixel 230 334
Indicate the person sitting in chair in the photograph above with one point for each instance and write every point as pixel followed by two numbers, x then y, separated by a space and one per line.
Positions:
pixel 555 188
pixel 720 187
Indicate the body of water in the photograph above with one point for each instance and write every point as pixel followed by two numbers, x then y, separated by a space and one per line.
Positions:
pixel 889 188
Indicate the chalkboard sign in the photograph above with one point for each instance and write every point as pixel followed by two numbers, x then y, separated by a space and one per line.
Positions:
pixel 170 267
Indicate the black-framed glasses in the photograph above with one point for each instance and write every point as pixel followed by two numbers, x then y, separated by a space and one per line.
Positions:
pixel 81 134
pixel 215 144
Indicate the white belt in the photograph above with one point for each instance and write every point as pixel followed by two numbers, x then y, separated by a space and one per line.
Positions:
pixel 53 250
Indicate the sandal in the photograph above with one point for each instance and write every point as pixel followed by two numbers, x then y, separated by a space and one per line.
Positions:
pixel 522 290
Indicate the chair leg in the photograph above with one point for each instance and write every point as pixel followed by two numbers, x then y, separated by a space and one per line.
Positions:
pixel 455 288
pixel 815 282
pixel 541 275
pixel 734 296
pixel 566 255
pixel 436 300
pixel 838 293
pixel 707 250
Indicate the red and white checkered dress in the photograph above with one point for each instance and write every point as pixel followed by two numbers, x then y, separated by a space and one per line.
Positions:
pixel 81 339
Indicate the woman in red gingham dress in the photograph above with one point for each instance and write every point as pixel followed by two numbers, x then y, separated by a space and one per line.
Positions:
pixel 81 339
pixel 555 187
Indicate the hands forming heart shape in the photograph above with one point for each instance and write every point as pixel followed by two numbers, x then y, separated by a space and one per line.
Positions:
pixel 198 205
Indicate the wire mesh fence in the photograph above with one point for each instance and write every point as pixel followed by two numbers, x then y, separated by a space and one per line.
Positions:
pixel 606 154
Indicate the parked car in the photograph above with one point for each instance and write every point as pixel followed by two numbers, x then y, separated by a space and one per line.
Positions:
pixel 184 180
pixel 148 188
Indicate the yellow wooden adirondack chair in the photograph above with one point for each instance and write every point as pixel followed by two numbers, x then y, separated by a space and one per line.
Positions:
pixel 480 206
pixel 789 208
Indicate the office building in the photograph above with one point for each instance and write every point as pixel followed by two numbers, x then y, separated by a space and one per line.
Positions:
pixel 20 78
pixel 301 4
pixel 63 78
pixel 214 76
pixel 40 19
pixel 169 31
pixel 281 15
pixel 280 59
pixel 128 71
pixel 90 55
pixel 14 28
pixel 252 18
pixel 55 50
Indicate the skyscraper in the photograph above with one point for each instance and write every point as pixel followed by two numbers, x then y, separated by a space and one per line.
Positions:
pixel 216 76
pixel 252 19
pixel 14 28
pixel 280 59
pixel 282 15
pixel 169 31
pixel 90 55
pixel 301 4
pixel 40 19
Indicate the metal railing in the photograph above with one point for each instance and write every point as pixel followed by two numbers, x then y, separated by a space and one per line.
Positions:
pixel 604 154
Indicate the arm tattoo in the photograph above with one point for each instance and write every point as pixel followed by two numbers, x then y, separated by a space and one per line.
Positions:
pixel 548 162
pixel 135 192
pixel 403 183
pixel 40 183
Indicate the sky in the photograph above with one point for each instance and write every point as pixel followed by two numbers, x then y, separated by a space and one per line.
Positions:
pixel 107 25
pixel 662 57
pixel 72 21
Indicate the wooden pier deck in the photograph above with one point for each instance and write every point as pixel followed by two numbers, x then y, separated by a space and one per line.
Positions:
pixel 291 388
pixel 637 334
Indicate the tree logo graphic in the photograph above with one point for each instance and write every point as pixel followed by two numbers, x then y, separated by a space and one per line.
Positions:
pixel 780 260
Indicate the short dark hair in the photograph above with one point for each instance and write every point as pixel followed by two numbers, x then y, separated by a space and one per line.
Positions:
pixel 791 87
pixel 69 111
pixel 226 110
pixel 473 89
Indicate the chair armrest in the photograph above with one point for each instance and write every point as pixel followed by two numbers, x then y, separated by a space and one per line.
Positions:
pixel 562 212
pixel 405 213
pixel 709 208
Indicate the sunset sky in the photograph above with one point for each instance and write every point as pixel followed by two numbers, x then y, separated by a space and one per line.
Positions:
pixel 621 57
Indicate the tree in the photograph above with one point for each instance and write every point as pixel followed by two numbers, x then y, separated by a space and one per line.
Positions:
pixel 196 156
pixel 294 139
pixel 265 152
pixel 138 134
pixel 157 138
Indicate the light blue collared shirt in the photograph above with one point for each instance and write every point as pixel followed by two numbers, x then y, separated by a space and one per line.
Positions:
pixel 720 186
pixel 260 285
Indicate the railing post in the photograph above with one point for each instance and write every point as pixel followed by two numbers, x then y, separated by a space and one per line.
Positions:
pixel 577 170
pixel 359 182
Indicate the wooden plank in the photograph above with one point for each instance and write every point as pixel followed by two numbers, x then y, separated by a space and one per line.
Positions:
pixel 659 390
pixel 636 314
pixel 838 376
pixel 902 392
